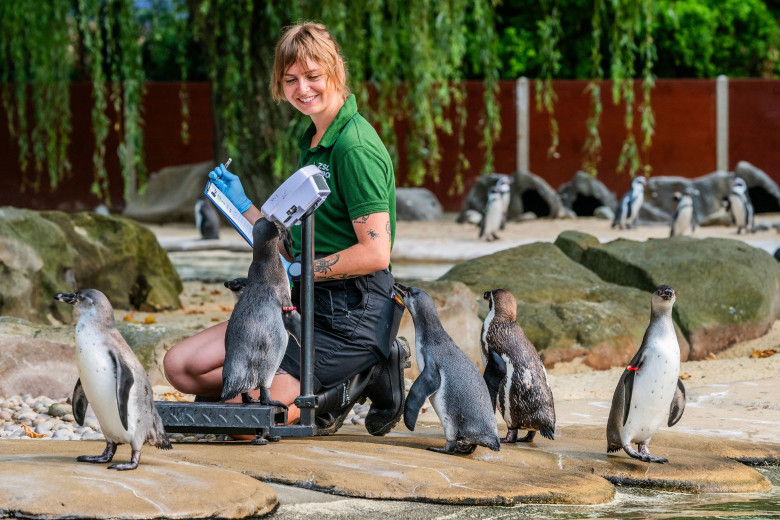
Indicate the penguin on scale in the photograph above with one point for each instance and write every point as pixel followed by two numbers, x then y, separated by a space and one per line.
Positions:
pixel 628 209
pixel 458 392
pixel 113 381
pixel 649 391
pixel 514 373
pixel 256 336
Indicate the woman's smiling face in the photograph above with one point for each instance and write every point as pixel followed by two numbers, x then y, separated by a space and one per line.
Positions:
pixel 307 88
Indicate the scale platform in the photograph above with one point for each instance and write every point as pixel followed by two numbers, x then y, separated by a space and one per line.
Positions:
pixel 230 419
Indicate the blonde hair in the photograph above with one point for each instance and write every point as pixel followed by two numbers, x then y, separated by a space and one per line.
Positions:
pixel 308 41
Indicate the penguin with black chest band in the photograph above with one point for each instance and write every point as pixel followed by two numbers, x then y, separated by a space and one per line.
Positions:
pixel 649 391
pixel 113 381
pixel 684 218
pixel 630 204
pixel 740 207
pixel 256 336
pixel 505 189
pixel 523 394
pixel 457 391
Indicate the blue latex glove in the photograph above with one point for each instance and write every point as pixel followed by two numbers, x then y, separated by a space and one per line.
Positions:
pixel 230 185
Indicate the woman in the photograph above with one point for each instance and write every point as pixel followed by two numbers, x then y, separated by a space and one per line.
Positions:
pixel 354 233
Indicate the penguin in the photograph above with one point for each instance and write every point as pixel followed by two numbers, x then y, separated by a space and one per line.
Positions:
pixel 684 219
pixel 492 216
pixel 628 209
pixel 206 218
pixel 505 189
pixel 113 381
pixel 523 395
pixel 236 286
pixel 256 337
pixel 740 207
pixel 649 390
pixel 458 392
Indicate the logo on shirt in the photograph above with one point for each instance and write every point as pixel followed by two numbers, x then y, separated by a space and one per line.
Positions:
pixel 325 169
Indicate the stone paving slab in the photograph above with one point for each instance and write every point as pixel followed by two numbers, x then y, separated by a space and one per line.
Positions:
pixel 381 468
pixel 41 479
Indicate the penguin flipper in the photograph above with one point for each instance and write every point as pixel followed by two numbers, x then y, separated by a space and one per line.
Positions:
pixel 628 388
pixel 678 404
pixel 425 385
pixel 124 382
pixel 79 402
pixel 495 372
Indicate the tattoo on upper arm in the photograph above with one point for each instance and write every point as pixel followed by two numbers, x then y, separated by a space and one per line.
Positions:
pixel 387 228
pixel 373 234
pixel 361 220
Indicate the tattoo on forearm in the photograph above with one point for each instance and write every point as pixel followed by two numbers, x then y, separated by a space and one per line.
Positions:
pixel 373 234
pixel 325 265
pixel 361 220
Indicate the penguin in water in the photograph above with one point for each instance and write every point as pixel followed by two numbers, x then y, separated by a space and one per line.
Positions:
pixel 684 219
pixel 740 207
pixel 206 218
pixel 493 215
pixel 514 373
pixel 628 209
pixel 256 337
pixel 458 393
pixel 649 389
pixel 113 381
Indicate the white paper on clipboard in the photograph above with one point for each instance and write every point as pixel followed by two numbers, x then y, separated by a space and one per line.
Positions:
pixel 227 208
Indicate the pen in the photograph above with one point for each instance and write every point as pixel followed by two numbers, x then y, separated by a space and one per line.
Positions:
pixel 227 163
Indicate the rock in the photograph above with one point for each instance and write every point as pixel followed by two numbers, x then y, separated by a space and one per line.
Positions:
pixel 604 212
pixel 457 308
pixel 60 410
pixel 584 194
pixel 170 195
pixel 40 359
pixel 566 310
pixel 727 291
pixel 763 191
pixel 416 204
pixel 47 252
pixel 659 203
pixel 574 243
pixel 530 193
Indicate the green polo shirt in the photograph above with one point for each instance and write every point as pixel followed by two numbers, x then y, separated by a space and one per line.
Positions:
pixel 360 176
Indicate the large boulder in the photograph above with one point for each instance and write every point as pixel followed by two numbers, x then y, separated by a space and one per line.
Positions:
pixel 43 253
pixel 584 194
pixel 727 291
pixel 417 204
pixel 41 359
pixel 529 194
pixel 566 310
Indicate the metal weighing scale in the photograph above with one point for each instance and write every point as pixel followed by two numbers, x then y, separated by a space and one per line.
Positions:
pixel 292 203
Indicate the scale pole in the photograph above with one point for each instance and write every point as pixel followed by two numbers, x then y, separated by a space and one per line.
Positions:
pixel 307 320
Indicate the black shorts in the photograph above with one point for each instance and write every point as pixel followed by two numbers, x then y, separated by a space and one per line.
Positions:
pixel 352 322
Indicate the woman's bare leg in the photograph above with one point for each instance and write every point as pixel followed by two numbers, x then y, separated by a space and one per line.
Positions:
pixel 194 366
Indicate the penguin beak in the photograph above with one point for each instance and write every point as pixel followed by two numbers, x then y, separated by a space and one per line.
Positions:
pixel 668 294
pixel 486 295
pixel 66 297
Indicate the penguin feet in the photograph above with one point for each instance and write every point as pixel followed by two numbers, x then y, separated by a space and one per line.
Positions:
pixel 134 460
pixel 454 447
pixel 107 455
pixel 265 399
pixel 511 437
pixel 643 454
pixel 529 437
